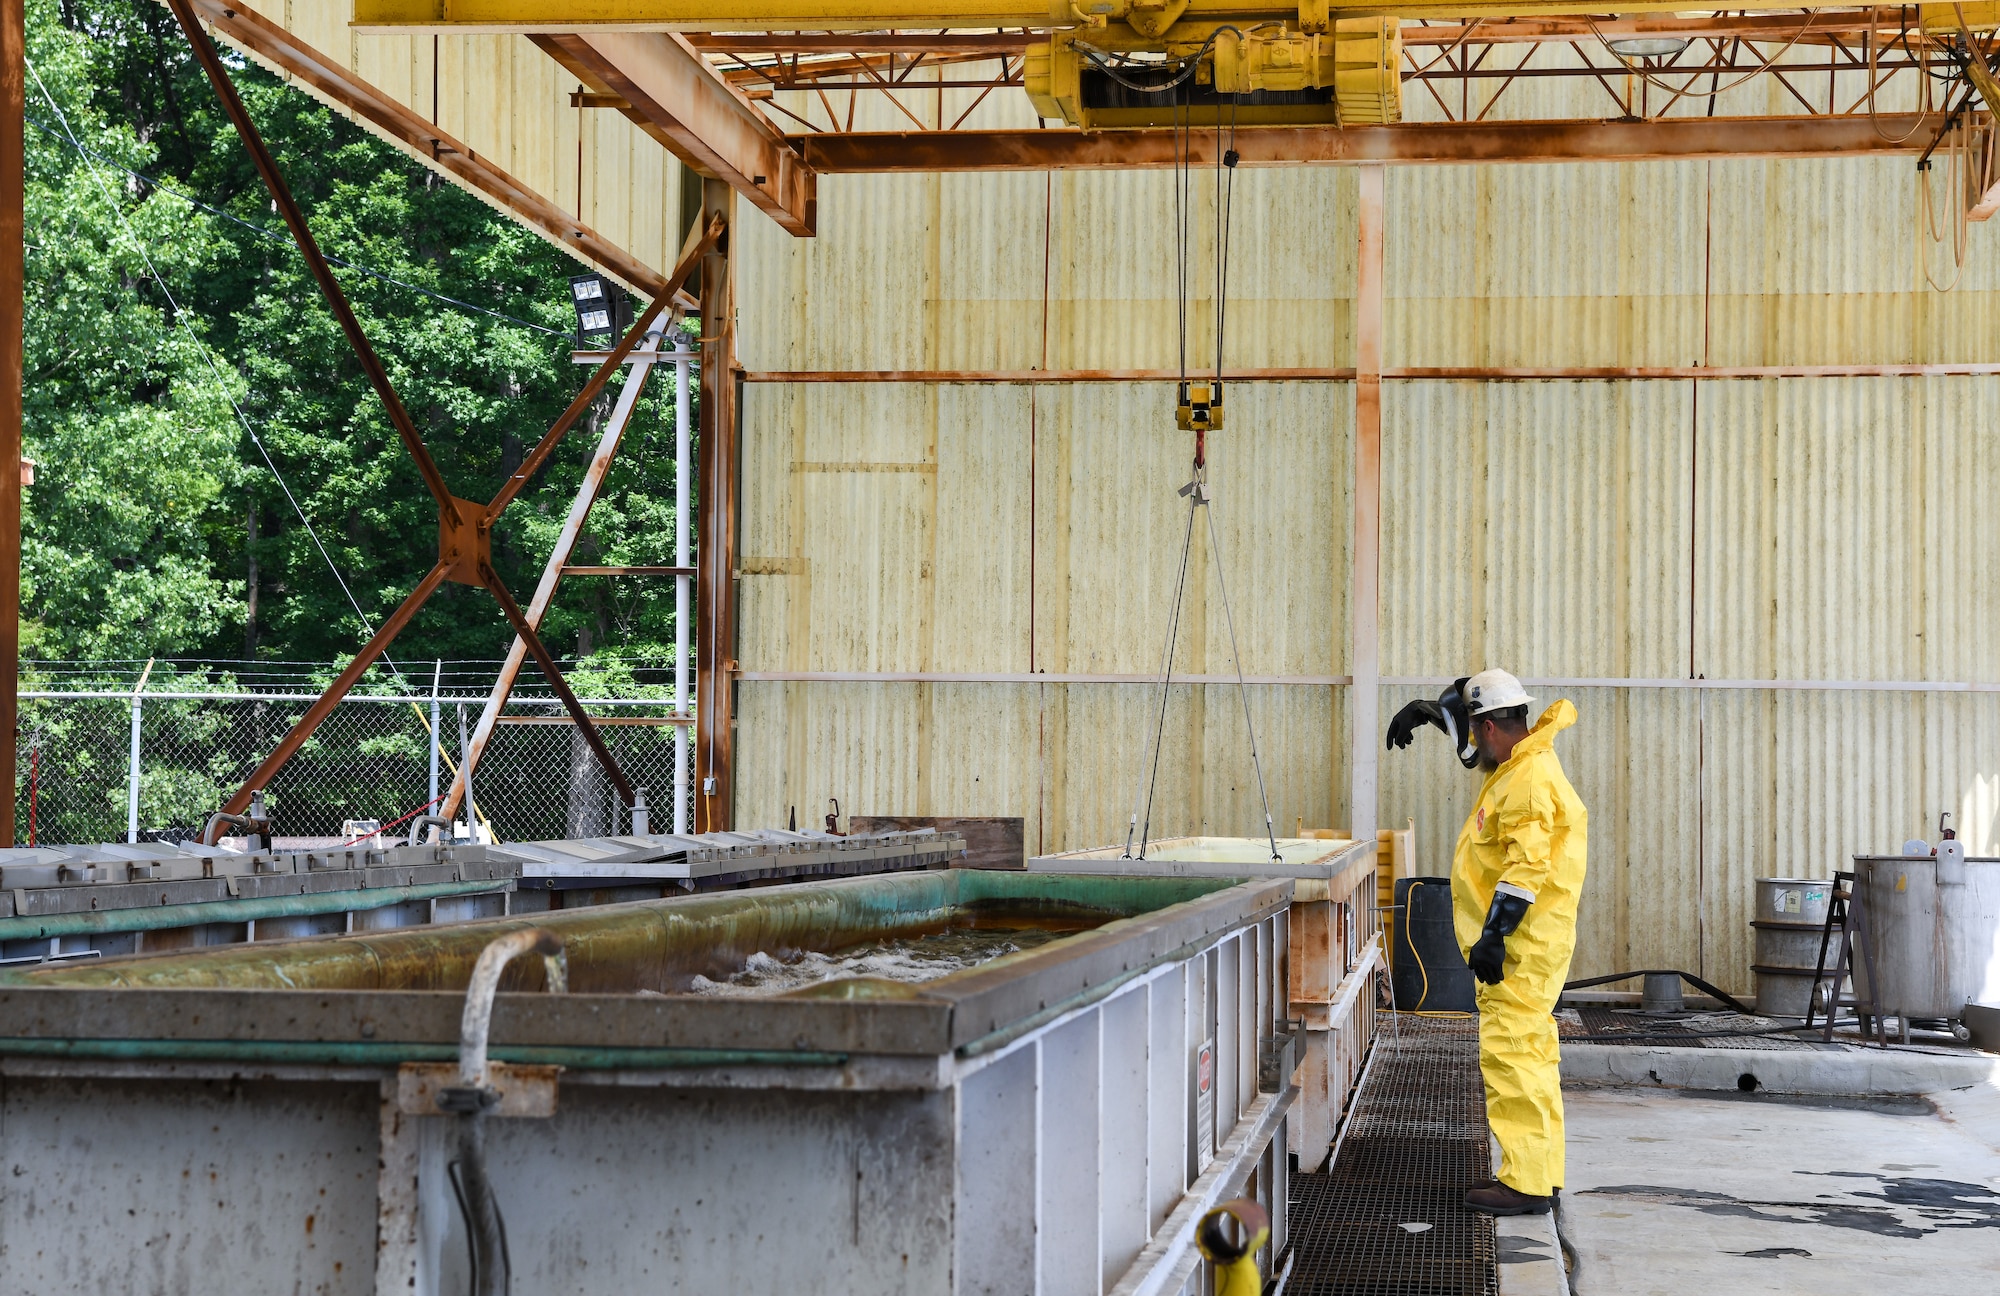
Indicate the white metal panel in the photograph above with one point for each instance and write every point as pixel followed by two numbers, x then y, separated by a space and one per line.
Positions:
pixel 1127 1100
pixel 1168 1073
pixel 129 1186
pixel 999 1144
pixel 1071 1163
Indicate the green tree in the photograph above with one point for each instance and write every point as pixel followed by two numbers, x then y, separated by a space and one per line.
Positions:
pixel 158 477
pixel 133 440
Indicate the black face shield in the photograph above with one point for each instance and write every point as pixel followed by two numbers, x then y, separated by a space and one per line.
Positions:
pixel 1447 713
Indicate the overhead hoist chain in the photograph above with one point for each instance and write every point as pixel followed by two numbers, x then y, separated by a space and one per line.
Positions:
pixel 1198 410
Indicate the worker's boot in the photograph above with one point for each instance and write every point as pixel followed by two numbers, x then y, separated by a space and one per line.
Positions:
pixel 1502 1200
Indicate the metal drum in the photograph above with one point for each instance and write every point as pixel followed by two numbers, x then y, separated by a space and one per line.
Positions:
pixel 1782 993
pixel 1791 918
pixel 1794 901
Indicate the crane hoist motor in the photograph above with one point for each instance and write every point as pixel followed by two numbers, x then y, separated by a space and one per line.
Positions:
pixel 1313 71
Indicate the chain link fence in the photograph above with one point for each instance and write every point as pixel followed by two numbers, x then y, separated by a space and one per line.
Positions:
pixel 165 750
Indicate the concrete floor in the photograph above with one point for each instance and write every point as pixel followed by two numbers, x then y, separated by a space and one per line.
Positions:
pixel 1687 1193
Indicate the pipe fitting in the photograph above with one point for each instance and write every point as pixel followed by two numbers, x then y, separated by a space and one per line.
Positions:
pixel 209 830
pixel 472 1098
pixel 477 1017
pixel 425 821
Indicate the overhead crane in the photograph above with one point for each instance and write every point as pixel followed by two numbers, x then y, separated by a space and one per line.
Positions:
pixel 1304 80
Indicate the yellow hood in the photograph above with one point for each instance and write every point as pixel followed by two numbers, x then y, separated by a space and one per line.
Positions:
pixel 1559 716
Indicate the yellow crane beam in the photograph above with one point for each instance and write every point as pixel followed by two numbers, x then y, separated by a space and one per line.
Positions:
pixel 562 16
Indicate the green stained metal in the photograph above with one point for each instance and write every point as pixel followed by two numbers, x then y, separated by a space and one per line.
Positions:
pixel 653 945
pixel 391 1053
pixel 1226 850
pixel 230 911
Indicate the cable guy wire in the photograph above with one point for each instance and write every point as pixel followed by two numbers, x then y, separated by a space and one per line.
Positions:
pixel 215 370
pixel 286 239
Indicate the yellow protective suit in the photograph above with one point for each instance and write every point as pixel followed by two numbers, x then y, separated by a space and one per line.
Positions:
pixel 1527 832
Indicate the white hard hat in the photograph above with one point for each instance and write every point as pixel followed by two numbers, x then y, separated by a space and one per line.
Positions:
pixel 1493 690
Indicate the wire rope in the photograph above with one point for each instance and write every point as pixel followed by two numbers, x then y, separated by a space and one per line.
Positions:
pixel 281 237
pixel 1196 489
pixel 215 371
pixel 1242 689
pixel 1194 494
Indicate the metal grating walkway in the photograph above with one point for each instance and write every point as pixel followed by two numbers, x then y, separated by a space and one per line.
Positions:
pixel 1415 1141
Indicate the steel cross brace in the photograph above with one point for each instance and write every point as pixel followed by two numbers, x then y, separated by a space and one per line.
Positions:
pixel 464 526
pixel 565 546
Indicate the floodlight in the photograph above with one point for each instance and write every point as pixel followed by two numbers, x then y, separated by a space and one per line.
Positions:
pixel 603 311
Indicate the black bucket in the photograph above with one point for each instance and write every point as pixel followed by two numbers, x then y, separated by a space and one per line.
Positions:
pixel 1428 973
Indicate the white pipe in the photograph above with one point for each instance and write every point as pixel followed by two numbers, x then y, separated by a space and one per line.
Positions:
pixel 477 1015
pixel 132 775
pixel 437 670
pixel 682 591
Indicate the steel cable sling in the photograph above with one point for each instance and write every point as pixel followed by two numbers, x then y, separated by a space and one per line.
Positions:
pixel 1196 490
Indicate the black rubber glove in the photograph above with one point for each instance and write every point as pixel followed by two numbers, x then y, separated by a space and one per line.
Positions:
pixel 1412 718
pixel 1488 959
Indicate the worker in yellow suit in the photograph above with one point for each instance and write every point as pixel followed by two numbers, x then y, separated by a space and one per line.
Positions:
pixel 1516 877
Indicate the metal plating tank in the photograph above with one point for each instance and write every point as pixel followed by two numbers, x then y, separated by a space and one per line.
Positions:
pixel 1335 944
pixel 265 1118
pixel 1936 930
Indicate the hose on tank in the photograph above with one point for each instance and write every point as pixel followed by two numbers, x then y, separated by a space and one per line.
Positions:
pixel 473 1097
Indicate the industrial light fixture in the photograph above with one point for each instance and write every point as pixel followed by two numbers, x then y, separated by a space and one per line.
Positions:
pixel 1639 46
pixel 603 311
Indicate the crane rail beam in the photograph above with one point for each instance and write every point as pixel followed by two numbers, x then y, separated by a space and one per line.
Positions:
pixel 556 17
pixel 1527 141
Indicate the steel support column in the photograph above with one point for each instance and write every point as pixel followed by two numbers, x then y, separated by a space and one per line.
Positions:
pixel 715 618
pixel 463 525
pixel 13 182
pixel 701 237
pixel 1364 698
pixel 552 570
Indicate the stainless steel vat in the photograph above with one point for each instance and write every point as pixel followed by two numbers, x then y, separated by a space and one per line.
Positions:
pixel 257 1118
pixel 1937 942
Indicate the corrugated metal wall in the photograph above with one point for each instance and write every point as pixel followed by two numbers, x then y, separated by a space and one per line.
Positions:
pixel 1800 529
pixel 509 103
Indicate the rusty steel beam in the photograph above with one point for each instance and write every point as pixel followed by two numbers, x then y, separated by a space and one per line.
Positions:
pixel 1365 616
pixel 991 44
pixel 630 571
pixel 1423 373
pixel 463 526
pixel 341 686
pixel 668 721
pixel 1035 377
pixel 674 94
pixel 331 81
pixel 715 618
pixel 1884 67
pixel 295 220
pixel 1523 141
pixel 552 675
pixel 1777 27
pixel 13 250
